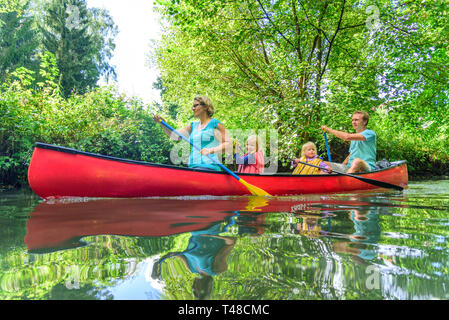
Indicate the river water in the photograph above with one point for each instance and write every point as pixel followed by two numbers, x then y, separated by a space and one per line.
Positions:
pixel 368 245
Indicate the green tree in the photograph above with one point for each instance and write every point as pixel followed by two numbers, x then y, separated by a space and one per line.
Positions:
pixel 82 41
pixel 8 6
pixel 263 58
pixel 101 121
pixel 293 65
pixel 18 43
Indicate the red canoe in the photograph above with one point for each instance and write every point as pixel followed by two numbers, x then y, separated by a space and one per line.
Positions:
pixel 63 172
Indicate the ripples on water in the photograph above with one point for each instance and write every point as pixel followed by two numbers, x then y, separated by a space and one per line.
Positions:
pixel 369 245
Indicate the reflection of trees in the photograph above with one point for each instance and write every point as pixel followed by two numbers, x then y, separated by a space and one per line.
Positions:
pixel 90 269
pixel 278 264
pixel 414 248
pixel 408 245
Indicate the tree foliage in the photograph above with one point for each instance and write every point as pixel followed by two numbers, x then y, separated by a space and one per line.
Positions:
pixel 18 43
pixel 293 65
pixel 81 40
pixel 9 5
pixel 100 121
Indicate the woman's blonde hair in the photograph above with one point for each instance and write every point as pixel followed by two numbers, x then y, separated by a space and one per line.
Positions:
pixel 258 142
pixel 305 146
pixel 205 101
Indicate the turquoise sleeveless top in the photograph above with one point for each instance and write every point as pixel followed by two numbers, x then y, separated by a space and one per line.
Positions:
pixel 202 250
pixel 203 139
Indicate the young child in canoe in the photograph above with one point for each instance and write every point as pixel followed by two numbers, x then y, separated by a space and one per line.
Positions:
pixel 309 155
pixel 253 160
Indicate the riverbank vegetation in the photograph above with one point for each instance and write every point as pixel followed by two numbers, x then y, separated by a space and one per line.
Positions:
pixel 99 121
pixel 295 65
pixel 286 65
pixel 52 54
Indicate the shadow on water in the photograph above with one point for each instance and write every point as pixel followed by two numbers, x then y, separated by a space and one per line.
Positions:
pixel 367 245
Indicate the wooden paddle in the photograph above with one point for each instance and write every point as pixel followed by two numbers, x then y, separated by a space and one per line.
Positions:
pixel 253 189
pixel 377 183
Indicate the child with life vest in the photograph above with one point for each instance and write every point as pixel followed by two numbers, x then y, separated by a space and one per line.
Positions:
pixel 253 160
pixel 309 155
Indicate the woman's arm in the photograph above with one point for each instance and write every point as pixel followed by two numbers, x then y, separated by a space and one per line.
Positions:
pixel 173 136
pixel 222 136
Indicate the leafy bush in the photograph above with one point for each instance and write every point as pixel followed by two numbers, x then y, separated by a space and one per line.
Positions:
pixel 100 121
pixel 422 142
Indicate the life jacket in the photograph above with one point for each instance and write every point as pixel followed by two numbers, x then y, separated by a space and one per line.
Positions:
pixel 257 167
pixel 305 169
pixel 309 229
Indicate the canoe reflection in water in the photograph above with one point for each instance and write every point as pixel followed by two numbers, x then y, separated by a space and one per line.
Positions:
pixel 62 223
pixel 213 224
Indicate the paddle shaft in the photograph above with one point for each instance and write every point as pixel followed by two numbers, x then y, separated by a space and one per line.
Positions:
pixel 327 147
pixel 213 159
pixel 367 180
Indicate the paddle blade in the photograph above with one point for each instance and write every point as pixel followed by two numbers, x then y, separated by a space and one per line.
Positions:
pixel 256 203
pixel 381 184
pixel 254 190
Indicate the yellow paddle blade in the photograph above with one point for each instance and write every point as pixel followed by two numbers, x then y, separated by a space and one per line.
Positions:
pixel 254 190
pixel 255 203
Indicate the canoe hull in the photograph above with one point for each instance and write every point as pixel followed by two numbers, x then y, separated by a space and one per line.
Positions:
pixel 62 172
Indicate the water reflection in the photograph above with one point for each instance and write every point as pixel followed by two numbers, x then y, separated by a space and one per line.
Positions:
pixel 371 245
pixel 58 225
pixel 205 255
pixel 61 224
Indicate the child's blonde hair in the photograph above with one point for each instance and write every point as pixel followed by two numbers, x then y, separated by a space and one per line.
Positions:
pixel 305 146
pixel 258 142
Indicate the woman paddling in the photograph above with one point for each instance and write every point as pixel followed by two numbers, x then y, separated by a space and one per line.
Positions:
pixel 208 134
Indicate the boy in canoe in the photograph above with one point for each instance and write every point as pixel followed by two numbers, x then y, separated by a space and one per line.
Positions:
pixel 362 151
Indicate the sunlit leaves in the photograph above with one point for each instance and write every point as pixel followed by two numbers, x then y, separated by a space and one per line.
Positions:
pixel 269 57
